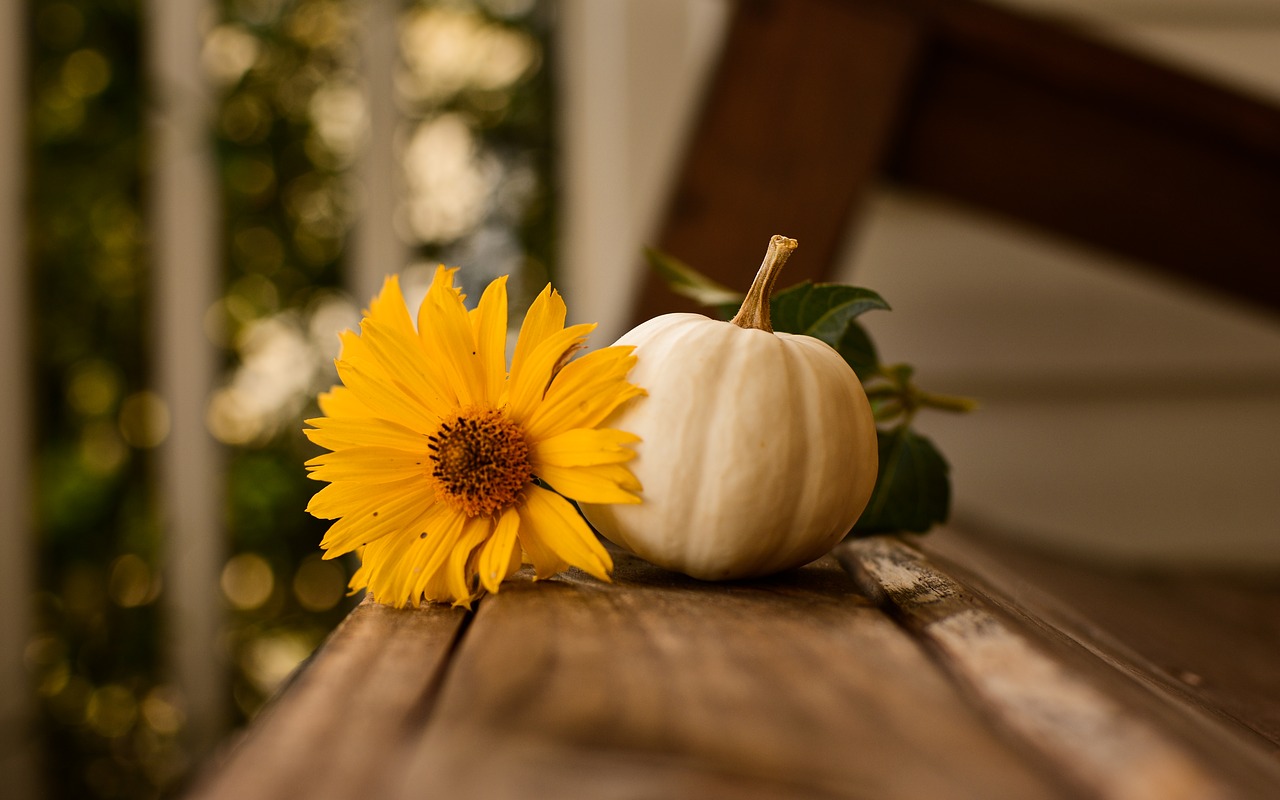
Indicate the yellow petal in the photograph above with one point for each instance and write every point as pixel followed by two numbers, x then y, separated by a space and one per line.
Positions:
pixel 383 563
pixel 348 497
pixel 342 402
pixel 544 560
pixel 390 352
pixel 584 447
pixel 474 533
pixel 398 564
pixel 368 465
pixel 401 516
pixel 516 561
pixel 389 307
pixel 489 323
pixel 496 556
pixel 584 393
pixel 336 434
pixel 384 397
pixel 424 576
pixel 545 317
pixel 551 523
pixel 603 483
pixel 529 384
pixel 445 331
pixel 402 358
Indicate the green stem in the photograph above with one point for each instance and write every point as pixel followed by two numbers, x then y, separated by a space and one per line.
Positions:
pixel 946 402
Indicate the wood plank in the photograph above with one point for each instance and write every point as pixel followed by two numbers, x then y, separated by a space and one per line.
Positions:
pixel 1210 639
pixel 1079 712
pixel 660 686
pixel 1124 180
pixel 1041 123
pixel 337 726
pixel 794 130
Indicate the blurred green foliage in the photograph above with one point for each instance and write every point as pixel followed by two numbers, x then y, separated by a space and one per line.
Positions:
pixel 478 157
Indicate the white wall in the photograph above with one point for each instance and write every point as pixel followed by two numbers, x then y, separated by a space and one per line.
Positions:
pixel 1121 416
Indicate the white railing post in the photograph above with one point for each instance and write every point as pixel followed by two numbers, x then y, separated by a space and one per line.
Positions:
pixel 595 208
pixel 376 248
pixel 17 567
pixel 184 223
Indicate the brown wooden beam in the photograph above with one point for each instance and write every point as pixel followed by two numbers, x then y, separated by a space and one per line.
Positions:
pixel 1045 126
pixel 817 100
pixel 794 131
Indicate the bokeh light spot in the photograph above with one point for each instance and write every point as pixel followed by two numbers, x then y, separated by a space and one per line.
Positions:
pixel 111 711
pixel 144 419
pixel 129 584
pixel 449 50
pixel 247 581
pixel 93 386
pixel 229 52
pixel 268 660
pixel 85 73
pixel 245 119
pixel 449 179
pixel 250 176
pixel 318 584
pixel 162 710
pixel 102 451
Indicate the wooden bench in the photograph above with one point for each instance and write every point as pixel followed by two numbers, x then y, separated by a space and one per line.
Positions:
pixel 943 667
pixel 939 668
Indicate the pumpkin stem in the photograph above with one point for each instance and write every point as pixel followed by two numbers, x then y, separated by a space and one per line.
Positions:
pixel 754 312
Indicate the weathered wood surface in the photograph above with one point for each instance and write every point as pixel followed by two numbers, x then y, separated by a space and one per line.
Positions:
pixel 1210 639
pixel 343 715
pixel 660 686
pixel 1093 721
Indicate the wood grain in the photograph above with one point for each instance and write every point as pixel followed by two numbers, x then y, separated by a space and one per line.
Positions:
pixel 1205 644
pixel 793 687
pixel 340 722
pixel 658 686
pixel 1080 713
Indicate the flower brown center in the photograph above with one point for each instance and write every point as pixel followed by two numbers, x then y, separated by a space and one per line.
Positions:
pixel 480 461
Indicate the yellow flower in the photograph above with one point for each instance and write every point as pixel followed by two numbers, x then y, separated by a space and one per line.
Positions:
pixel 441 461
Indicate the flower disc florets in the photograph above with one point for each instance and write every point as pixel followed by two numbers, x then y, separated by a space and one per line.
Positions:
pixel 480 460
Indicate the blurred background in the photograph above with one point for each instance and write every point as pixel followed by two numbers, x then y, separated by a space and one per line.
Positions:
pixel 198 195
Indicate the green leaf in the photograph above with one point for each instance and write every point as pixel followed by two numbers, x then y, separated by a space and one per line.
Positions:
pixel 827 311
pixel 913 489
pixel 821 310
pixel 686 281
pixel 859 351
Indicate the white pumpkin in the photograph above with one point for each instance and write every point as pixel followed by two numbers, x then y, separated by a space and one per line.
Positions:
pixel 758 449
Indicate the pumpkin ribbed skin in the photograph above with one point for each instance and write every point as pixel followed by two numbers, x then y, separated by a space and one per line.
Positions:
pixel 758 449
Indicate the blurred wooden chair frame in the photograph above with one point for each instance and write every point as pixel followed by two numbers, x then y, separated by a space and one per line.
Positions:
pixel 816 101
